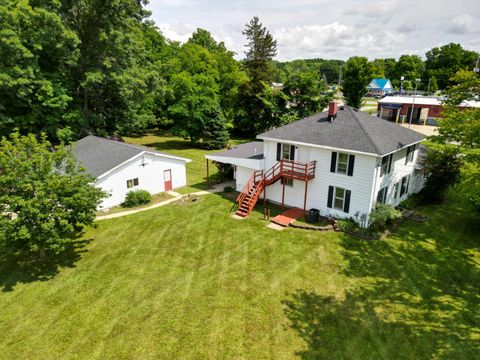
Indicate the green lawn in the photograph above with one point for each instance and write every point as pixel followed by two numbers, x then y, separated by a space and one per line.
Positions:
pixel 196 170
pixel 190 282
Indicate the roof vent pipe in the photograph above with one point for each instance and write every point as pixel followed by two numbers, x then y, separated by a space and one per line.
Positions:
pixel 332 111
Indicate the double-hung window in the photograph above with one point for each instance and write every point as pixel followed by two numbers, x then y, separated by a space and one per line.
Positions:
pixel 410 153
pixel 339 199
pixel 342 163
pixel 404 185
pixel 132 183
pixel 386 165
pixel 382 195
pixel 286 149
pixel 396 189
pixel 285 152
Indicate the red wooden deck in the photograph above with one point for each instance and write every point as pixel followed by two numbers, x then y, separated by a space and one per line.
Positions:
pixel 288 216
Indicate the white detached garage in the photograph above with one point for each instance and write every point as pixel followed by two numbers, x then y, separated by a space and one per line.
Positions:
pixel 120 168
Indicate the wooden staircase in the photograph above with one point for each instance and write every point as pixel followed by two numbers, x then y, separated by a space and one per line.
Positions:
pixel 247 199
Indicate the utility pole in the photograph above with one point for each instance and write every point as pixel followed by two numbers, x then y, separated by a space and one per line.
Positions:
pixel 476 69
pixel 401 84
pixel 428 89
pixel 413 103
pixel 340 76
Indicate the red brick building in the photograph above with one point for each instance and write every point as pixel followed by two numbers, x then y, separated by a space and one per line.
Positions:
pixel 426 110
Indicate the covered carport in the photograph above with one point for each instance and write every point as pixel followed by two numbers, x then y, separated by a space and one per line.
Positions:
pixel 245 159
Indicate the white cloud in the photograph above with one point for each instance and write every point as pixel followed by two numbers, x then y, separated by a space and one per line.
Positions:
pixel 177 31
pixel 332 40
pixel 328 28
pixel 464 24
pixel 376 9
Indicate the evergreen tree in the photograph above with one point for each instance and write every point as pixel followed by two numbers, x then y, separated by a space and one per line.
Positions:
pixel 261 48
pixel 215 134
pixel 357 76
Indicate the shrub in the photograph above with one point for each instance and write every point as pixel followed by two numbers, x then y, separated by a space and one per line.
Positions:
pixel 412 201
pixel 442 169
pixel 138 197
pixel 228 188
pixel 382 215
pixel 348 225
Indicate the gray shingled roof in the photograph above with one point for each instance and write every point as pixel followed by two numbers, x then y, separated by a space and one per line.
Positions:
pixel 351 130
pixel 98 155
pixel 250 150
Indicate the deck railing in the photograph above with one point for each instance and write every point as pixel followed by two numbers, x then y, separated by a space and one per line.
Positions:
pixel 284 168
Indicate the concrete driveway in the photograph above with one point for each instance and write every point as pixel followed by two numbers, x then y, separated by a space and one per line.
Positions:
pixel 427 130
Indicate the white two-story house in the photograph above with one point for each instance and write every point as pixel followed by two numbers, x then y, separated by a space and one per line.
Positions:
pixel 341 162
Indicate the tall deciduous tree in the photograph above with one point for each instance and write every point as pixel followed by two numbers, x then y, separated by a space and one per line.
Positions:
pixel 44 198
pixel 34 93
pixel 463 127
pixel 357 76
pixel 443 62
pixel 306 93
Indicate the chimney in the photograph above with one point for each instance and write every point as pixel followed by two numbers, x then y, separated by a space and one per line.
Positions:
pixel 332 111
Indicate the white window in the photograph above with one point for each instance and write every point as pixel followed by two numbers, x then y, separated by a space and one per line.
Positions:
pixel 404 185
pixel 382 195
pixel 286 151
pixel 386 165
pixel 132 183
pixel 396 188
pixel 410 153
pixel 339 198
pixel 342 163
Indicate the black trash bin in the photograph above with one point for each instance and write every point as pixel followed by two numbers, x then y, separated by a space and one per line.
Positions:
pixel 313 216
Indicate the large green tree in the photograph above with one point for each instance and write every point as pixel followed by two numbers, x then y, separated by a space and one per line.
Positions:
pixel 357 76
pixel 195 104
pixel 45 199
pixel 443 63
pixel 37 52
pixel 462 126
pixel 113 74
pixel 306 93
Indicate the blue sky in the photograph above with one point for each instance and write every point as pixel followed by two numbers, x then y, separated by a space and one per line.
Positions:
pixel 328 29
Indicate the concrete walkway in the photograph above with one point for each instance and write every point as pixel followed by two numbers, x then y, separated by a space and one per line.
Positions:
pixel 177 196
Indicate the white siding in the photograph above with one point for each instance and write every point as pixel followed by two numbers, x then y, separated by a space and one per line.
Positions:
pixel 242 174
pixel 360 184
pixel 399 169
pixel 150 177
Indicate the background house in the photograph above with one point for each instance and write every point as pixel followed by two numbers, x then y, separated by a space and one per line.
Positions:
pixel 341 162
pixel 380 87
pixel 119 168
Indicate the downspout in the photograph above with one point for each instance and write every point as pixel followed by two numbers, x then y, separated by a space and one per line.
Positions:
pixel 372 197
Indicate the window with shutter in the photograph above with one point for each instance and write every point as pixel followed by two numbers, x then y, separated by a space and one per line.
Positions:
pixel 342 163
pixel 351 163
pixel 339 198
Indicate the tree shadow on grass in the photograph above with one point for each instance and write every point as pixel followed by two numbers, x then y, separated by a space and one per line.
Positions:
pixel 16 269
pixel 416 295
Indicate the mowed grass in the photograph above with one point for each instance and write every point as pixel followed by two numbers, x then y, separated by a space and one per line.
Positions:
pixel 197 169
pixel 191 282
